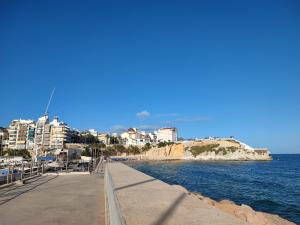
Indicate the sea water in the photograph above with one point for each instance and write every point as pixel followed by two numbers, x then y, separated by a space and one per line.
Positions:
pixel 268 186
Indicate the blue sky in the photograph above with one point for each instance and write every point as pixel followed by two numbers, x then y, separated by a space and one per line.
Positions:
pixel 210 68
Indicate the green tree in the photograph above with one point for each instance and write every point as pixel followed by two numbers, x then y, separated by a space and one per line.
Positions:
pixel 20 152
pixel 86 152
pixel 114 140
pixel 134 150
pixel 162 144
pixel 110 151
pixel 120 148
pixel 88 139
pixel 146 147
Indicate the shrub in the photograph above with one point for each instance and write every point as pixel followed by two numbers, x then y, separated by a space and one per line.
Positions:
pixel 119 148
pixel 232 148
pixel 133 150
pixel 17 152
pixel 164 144
pixel 86 152
pixel 196 150
pixel 110 151
pixel 146 147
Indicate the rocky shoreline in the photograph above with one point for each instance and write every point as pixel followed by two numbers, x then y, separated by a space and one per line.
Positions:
pixel 242 212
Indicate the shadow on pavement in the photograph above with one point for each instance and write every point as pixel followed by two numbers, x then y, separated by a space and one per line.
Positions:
pixel 135 184
pixel 166 215
pixel 10 193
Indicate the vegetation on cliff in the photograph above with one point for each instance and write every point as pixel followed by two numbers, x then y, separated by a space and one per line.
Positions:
pixel 197 150
pixel 130 150
pixel 164 144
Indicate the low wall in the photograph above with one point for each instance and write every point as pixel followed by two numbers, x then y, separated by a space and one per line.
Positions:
pixel 134 198
pixel 112 208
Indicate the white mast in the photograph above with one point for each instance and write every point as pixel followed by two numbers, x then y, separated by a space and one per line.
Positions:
pixel 36 147
pixel 46 111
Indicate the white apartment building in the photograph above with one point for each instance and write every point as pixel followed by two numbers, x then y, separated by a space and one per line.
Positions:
pixel 135 137
pixel 93 132
pixel 3 138
pixel 168 134
pixel 59 134
pixel 152 137
pixel 42 133
pixel 103 138
pixel 131 137
pixel 21 134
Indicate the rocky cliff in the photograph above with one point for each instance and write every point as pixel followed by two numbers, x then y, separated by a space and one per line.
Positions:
pixel 206 150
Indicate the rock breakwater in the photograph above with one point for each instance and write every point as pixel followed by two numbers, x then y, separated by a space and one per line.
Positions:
pixel 242 212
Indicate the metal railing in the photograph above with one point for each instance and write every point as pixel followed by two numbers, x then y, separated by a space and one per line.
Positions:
pixel 27 170
pixel 21 172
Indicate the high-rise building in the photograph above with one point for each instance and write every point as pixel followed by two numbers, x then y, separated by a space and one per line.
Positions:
pixel 21 133
pixel 42 133
pixel 3 138
pixel 60 134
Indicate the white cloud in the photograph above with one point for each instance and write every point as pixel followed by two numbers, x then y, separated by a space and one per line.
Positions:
pixel 143 115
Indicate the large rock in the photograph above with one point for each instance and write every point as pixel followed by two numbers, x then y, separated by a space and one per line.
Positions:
pixel 247 214
pixel 244 212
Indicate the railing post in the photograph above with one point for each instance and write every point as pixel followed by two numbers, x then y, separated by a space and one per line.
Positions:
pixel 38 168
pixel 31 168
pixel 22 172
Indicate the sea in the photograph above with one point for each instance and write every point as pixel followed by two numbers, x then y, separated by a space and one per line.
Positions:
pixel 267 186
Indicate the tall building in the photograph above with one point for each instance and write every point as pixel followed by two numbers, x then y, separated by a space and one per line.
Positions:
pixel 168 134
pixel 60 134
pixel 3 138
pixel 21 133
pixel 42 133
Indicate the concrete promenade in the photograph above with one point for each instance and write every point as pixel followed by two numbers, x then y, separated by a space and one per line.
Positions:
pixel 54 200
pixel 144 200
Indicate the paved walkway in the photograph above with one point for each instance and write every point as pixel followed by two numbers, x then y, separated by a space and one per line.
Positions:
pixel 153 202
pixel 54 200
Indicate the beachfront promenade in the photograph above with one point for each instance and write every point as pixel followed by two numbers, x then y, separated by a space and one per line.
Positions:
pixel 130 197
pixel 54 200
